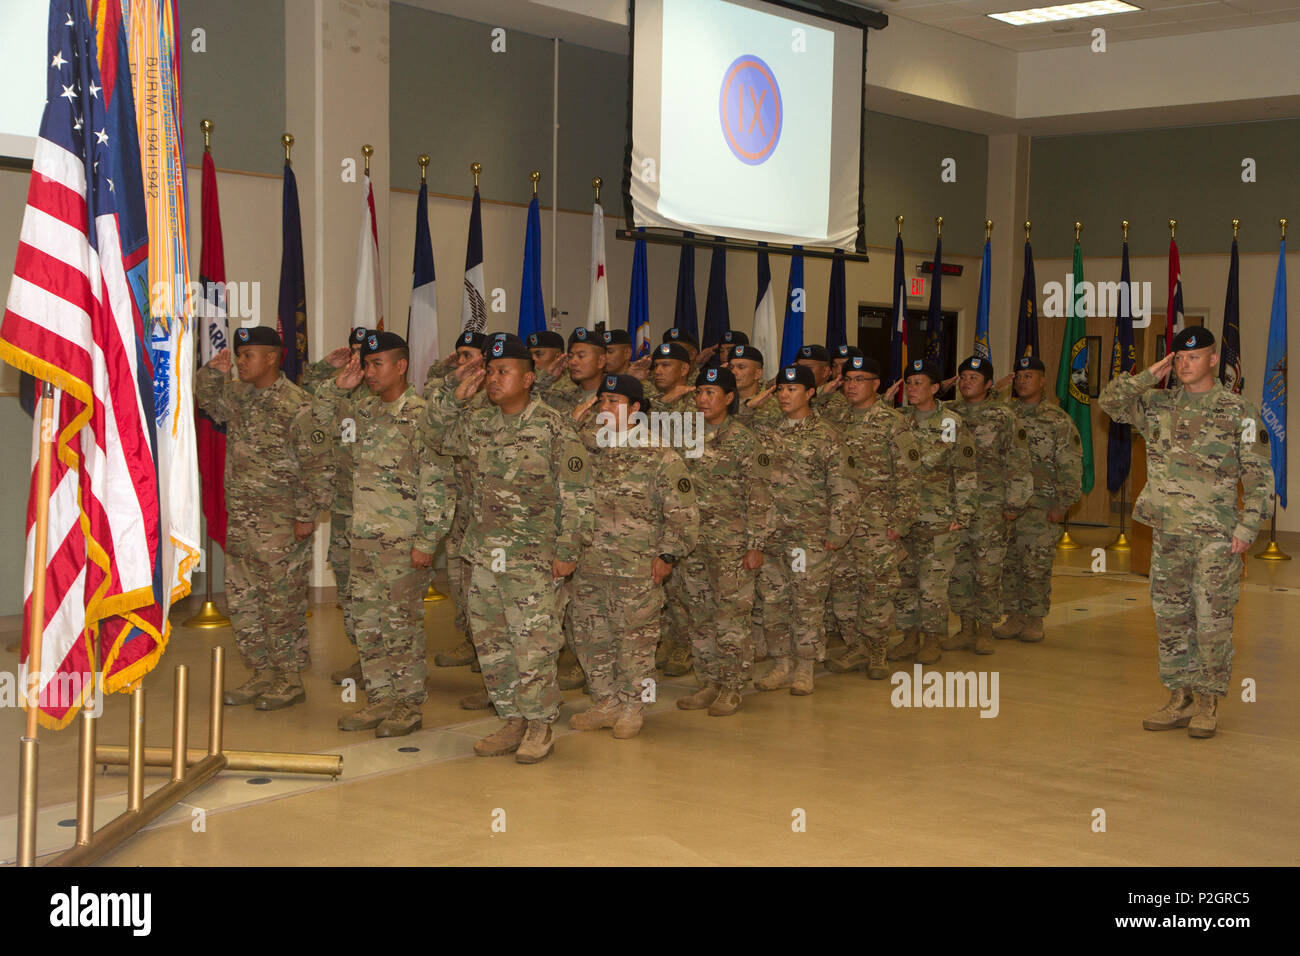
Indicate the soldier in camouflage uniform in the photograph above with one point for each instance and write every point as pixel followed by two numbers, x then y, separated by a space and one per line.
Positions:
pixel 530 517
pixel 815 502
pixel 344 431
pixel 1005 483
pixel 1056 462
pixel 829 402
pixel 730 339
pixel 1201 441
pixel 646 520
pixel 865 583
pixel 945 487
pixel 718 577
pixel 618 351
pixel 402 504
pixel 279 478
pixel 757 409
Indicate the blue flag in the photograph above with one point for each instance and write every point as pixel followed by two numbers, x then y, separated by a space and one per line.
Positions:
pixel 934 321
pixel 1027 325
pixel 291 315
pixel 1273 408
pixel 685 314
pixel 982 348
pixel 532 311
pixel 717 314
pixel 836 306
pixel 638 304
pixel 898 332
pixel 1123 361
pixel 792 330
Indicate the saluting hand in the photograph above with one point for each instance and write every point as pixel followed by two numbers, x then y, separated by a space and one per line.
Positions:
pixel 892 391
pixel 948 383
pixel 1004 381
pixel 351 376
pixel 580 412
pixel 702 358
pixel 761 397
pixel 221 362
pixel 1161 369
pixel 677 393
pixel 640 369
pixel 831 386
pixel 556 368
pixel 467 368
pixel 471 383
pixel 340 356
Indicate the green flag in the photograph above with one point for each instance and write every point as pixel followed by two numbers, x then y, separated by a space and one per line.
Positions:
pixel 1073 368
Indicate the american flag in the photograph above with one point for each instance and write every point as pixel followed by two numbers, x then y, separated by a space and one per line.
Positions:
pixel 71 320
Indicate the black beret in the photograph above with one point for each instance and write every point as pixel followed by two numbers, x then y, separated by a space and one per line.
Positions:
pixel 733 337
pixel 747 352
pixel 626 385
pixel 681 335
pixel 358 335
pixel 1193 337
pixel 926 368
pixel 545 339
pixel 1030 362
pixel 671 350
pixel 377 342
pixel 257 335
pixel 472 340
pixel 847 351
pixel 797 375
pixel 720 377
pixel 617 337
pixel 860 363
pixel 817 353
pixel 977 363
pixel 507 345
pixel 585 336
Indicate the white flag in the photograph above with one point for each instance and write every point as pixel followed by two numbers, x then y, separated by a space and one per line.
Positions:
pixel 765 337
pixel 598 304
pixel 368 310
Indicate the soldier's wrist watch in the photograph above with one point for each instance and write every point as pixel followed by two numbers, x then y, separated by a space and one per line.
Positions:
pixel 668 558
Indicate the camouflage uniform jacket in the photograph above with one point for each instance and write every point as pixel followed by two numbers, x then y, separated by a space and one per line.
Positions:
pixel 880 444
pixel 279 460
pixel 1005 478
pixel 403 492
pixel 731 486
pixel 1198 447
pixel 945 474
pixel 765 416
pixel 832 406
pixel 1055 454
pixel 814 488
pixel 315 378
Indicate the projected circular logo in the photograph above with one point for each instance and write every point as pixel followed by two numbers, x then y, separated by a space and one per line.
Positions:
pixel 749 109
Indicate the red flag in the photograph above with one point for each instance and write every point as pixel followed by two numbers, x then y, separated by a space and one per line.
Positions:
pixel 214 336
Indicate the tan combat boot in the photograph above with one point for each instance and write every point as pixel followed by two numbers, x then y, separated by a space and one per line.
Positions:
pixel 251 689
pixel 661 653
pixel 479 700
pixel 538 742
pixel 802 685
pixel 404 719
pixel 352 673
pixel 877 668
pixel 679 660
pixel 368 717
pixel 702 698
pixel 779 677
pixel 1032 632
pixel 907 647
pixel 629 721
pixel 727 703
pixel 1206 719
pixel 1009 629
pixel 1176 713
pixel 598 716
pixel 983 639
pixel 504 741
pixel 285 692
pixel 963 639
pixel 929 652
pixel 854 659
pixel 571 677
pixel 458 656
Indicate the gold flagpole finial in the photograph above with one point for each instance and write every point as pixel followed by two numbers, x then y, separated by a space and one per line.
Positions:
pixel 988 229
pixel 1282 223
pixel 1173 224
pixel 1078 228
pixel 1236 224
pixel 899 220
pixel 938 222
pixel 596 184
pixel 476 168
pixel 1028 226
pixel 535 176
pixel 287 142
pixel 206 126
pixel 423 160
pixel 367 151
pixel 1124 224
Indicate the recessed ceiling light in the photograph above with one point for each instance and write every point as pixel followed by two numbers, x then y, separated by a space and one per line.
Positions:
pixel 1064 11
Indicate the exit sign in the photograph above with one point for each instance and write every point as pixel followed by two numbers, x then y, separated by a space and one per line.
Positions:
pixel 918 286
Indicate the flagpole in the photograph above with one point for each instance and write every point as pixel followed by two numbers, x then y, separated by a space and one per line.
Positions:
pixel 1067 543
pixel 433 595
pixel 1273 552
pixel 28 752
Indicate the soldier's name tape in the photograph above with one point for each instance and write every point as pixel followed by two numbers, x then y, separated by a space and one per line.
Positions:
pixel 923 688
pixel 684 430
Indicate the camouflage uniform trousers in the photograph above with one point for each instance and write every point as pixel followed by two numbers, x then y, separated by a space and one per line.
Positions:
pixel 458 569
pixel 615 630
pixel 514 620
pixel 1027 569
pixel 718 599
pixel 266 592
pixel 1195 583
pixel 794 602
pixel 976 585
pixel 386 601
pixel 924 572
pixel 863 588
pixel 340 564
pixel 674 623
